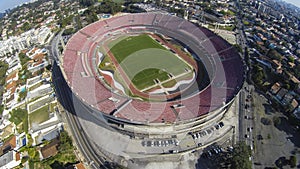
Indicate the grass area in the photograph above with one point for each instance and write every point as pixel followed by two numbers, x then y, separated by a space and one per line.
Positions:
pixel 246 23
pixel 169 84
pixel 17 116
pixel 146 77
pixel 227 28
pixel 144 59
pixel 118 1
pixel 178 47
pixel 20 118
pixel 132 44
pixel 106 64
pixel 51 107
pixel 231 13
pixel 39 115
pixel 173 82
pixel 120 80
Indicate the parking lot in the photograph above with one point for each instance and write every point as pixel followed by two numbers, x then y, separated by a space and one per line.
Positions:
pixel 160 143
pixel 272 142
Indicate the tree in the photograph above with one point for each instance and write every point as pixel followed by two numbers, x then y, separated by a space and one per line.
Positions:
pixel 238 47
pixel 291 59
pixel 109 6
pixel 26 26
pixel 265 121
pixel 3 69
pixel 293 161
pixel 23 58
pixel 22 95
pixel 69 31
pixel 86 2
pixel 273 54
pixel 297 71
pixel 18 116
pixel 257 74
pixel 65 141
pixel 276 121
pixel 1 109
pixel 240 158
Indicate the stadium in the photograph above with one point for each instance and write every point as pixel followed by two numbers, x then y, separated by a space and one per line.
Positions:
pixel 209 74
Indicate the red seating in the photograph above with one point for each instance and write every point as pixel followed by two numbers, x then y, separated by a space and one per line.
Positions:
pixel 226 81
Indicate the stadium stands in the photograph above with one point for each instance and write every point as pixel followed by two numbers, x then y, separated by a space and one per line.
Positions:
pixel 216 54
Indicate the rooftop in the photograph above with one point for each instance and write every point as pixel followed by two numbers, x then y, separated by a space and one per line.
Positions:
pixel 50 149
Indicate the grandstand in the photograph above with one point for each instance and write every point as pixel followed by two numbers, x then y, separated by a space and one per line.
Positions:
pixel 210 94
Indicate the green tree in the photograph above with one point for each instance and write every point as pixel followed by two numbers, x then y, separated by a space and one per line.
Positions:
pixel 291 59
pixel 1 109
pixel 240 158
pixel 3 69
pixel 22 95
pixel 258 74
pixel 65 141
pixel 238 47
pixel 276 120
pixel 26 26
pixel 18 116
pixel 293 161
pixel 86 2
pixel 23 58
pixel 273 54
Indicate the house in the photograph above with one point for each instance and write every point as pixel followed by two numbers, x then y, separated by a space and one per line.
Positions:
pixel 10 159
pixel 10 96
pixel 14 64
pixel 79 166
pixel 12 77
pixel 275 88
pixel 76 166
pixel 287 99
pixel 294 104
pixel 49 135
pixel 35 66
pixel 294 79
pixel 8 145
pixel 50 149
pixel 6 128
pixel 21 140
pixel 280 95
pixel 277 66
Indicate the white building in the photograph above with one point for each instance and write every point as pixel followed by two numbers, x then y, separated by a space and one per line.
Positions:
pixel 10 160
pixel 25 40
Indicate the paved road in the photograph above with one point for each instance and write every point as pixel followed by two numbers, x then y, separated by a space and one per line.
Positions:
pixel 53 47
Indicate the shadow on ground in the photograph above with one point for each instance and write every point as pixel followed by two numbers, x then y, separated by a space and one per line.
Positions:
pixel 285 126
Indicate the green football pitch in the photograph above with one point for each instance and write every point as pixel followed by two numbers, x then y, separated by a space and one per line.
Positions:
pixel 145 61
